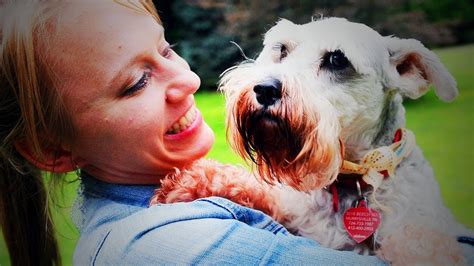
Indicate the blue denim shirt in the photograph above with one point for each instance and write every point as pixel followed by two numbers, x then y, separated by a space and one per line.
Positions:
pixel 118 227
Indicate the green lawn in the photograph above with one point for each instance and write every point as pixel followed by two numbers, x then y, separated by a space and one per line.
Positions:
pixel 444 132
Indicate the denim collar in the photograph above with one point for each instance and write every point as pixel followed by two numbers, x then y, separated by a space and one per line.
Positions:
pixel 138 195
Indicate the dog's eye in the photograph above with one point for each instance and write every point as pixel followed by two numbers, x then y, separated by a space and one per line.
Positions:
pixel 335 61
pixel 282 50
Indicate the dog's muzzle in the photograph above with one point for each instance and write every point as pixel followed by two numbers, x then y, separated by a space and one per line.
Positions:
pixel 287 142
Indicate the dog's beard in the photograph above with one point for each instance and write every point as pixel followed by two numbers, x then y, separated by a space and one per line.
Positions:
pixel 284 145
pixel 269 140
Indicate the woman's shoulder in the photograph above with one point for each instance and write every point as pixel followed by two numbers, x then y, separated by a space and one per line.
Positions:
pixel 103 203
pixel 116 230
pixel 119 214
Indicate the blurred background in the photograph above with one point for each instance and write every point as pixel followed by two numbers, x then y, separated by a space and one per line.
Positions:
pixel 203 30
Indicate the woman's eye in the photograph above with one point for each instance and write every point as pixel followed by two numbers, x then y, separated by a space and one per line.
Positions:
pixel 140 84
pixel 335 61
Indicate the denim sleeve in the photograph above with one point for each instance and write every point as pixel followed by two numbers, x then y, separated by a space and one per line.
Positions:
pixel 212 235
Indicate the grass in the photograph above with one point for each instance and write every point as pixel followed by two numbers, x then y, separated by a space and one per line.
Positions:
pixel 443 131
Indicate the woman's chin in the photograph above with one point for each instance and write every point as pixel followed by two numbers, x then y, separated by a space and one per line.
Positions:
pixel 206 140
pixel 197 149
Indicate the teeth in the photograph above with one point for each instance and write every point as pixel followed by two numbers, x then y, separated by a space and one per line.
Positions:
pixel 189 115
pixel 183 123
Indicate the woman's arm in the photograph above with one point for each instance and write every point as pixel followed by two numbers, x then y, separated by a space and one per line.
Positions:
pixel 208 230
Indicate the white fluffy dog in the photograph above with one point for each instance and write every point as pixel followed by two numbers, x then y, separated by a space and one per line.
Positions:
pixel 317 95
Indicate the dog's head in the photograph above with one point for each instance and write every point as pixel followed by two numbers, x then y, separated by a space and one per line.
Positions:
pixel 318 87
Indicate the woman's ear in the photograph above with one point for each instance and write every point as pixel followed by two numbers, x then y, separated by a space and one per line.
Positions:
pixel 53 160
pixel 416 68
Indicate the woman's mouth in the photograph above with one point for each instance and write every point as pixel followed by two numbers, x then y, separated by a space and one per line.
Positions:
pixel 184 122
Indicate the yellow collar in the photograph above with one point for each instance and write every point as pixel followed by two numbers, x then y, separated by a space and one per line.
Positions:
pixel 382 160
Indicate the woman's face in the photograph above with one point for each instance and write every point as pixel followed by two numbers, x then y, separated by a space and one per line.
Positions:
pixel 130 95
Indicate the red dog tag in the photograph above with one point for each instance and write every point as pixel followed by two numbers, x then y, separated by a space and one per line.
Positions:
pixel 361 222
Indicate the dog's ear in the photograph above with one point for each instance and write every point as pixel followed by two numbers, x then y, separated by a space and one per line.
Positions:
pixel 416 68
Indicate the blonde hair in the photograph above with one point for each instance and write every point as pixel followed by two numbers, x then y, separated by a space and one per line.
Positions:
pixel 32 113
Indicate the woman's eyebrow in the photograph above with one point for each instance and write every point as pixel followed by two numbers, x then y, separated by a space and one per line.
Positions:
pixel 118 77
pixel 140 56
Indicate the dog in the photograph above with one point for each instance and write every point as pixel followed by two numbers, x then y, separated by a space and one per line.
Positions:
pixel 316 113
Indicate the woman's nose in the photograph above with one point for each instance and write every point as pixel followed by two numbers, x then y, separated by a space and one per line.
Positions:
pixel 183 82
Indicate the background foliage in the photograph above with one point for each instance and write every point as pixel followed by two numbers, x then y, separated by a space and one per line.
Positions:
pixel 203 29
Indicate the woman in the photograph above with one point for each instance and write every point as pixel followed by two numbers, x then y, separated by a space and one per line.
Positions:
pixel 94 85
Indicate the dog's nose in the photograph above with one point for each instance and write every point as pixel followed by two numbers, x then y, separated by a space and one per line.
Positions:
pixel 268 91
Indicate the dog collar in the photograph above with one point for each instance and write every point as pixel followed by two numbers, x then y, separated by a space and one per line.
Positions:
pixel 376 165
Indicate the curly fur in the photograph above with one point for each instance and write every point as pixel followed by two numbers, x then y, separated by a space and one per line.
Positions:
pixel 207 178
